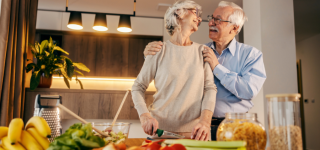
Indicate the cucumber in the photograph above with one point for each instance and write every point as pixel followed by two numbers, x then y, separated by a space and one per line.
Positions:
pixel 207 144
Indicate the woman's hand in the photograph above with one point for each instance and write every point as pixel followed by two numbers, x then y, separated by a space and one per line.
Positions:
pixel 202 130
pixel 149 124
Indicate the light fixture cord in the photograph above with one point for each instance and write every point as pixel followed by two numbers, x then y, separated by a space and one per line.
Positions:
pixel 134 8
pixel 67 5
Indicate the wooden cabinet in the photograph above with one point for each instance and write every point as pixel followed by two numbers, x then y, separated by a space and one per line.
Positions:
pixel 108 55
pixel 88 104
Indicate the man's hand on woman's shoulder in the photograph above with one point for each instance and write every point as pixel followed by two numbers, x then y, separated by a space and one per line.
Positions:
pixel 210 57
pixel 152 48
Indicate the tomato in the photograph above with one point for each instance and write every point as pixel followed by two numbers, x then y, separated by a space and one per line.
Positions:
pixel 121 146
pixel 153 146
pixel 148 141
pixel 135 148
pixel 178 147
pixel 167 148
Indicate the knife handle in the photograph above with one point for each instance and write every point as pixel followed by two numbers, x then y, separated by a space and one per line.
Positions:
pixel 159 132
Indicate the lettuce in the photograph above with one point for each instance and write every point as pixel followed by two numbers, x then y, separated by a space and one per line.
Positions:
pixel 77 137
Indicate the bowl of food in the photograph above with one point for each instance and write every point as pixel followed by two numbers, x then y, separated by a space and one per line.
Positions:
pixel 119 131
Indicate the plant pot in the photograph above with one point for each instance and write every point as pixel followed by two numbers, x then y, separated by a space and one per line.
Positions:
pixel 45 82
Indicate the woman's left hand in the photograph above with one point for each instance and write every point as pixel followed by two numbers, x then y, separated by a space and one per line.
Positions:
pixel 202 131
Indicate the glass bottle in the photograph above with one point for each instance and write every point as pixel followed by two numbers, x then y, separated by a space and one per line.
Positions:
pixel 243 127
pixel 284 121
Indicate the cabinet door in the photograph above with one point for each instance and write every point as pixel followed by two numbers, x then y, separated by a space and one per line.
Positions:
pixel 107 56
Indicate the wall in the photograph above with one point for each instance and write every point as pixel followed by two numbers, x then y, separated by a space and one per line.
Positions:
pixel 252 36
pixel 0 7
pixel 308 51
pixel 278 45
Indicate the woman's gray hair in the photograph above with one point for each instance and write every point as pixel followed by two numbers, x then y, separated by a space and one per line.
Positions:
pixel 177 11
pixel 238 17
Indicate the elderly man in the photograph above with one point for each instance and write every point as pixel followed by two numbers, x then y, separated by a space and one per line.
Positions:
pixel 238 69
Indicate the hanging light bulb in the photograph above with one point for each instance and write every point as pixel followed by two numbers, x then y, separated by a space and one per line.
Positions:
pixel 100 22
pixel 75 21
pixel 124 24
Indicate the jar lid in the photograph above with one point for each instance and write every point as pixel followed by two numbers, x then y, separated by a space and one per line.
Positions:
pixel 293 95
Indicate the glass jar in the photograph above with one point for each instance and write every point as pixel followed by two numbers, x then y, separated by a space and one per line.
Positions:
pixel 284 121
pixel 243 127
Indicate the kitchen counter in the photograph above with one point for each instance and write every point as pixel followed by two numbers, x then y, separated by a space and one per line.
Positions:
pixel 134 142
pixel 88 104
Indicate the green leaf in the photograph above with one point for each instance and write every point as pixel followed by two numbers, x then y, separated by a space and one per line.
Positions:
pixel 36 46
pixel 57 48
pixel 81 66
pixel 44 44
pixel 30 67
pixel 35 80
pixel 79 72
pixel 65 57
pixel 59 65
pixel 81 85
pixel 47 53
pixel 50 44
pixel 69 68
pixel 64 73
pixel 87 143
pixel 67 82
pixel 33 49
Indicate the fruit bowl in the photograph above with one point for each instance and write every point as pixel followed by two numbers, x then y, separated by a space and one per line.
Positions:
pixel 118 134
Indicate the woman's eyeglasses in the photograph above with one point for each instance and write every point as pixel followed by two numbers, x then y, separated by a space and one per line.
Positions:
pixel 197 13
pixel 216 20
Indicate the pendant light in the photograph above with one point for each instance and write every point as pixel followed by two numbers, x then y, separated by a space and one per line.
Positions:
pixel 100 22
pixel 75 21
pixel 124 24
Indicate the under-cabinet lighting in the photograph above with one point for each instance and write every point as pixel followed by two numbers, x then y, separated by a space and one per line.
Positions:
pixel 104 79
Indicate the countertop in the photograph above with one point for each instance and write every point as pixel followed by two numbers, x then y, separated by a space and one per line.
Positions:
pixel 134 142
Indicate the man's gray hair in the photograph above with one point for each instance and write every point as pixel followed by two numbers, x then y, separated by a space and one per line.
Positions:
pixel 177 11
pixel 238 17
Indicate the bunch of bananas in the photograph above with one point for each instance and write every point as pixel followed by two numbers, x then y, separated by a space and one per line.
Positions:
pixel 33 137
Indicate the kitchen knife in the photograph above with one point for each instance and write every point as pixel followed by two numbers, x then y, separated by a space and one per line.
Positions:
pixel 168 134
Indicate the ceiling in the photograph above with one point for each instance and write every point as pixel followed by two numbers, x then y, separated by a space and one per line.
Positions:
pixel 143 7
pixel 306 18
pixel 306 12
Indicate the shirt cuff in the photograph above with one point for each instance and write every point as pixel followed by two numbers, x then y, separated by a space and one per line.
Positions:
pixel 220 71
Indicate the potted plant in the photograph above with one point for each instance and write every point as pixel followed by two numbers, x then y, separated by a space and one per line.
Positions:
pixel 49 63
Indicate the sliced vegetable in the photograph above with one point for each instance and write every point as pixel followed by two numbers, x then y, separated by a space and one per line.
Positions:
pixel 196 148
pixel 77 137
pixel 207 144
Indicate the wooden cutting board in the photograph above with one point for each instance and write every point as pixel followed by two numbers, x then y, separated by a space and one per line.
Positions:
pixel 134 142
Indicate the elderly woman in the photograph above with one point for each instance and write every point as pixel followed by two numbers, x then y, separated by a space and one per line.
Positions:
pixel 185 98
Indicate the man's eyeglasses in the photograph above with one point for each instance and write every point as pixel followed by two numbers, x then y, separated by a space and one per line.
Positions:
pixel 216 20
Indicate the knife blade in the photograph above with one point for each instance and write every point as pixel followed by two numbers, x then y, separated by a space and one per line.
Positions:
pixel 169 134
